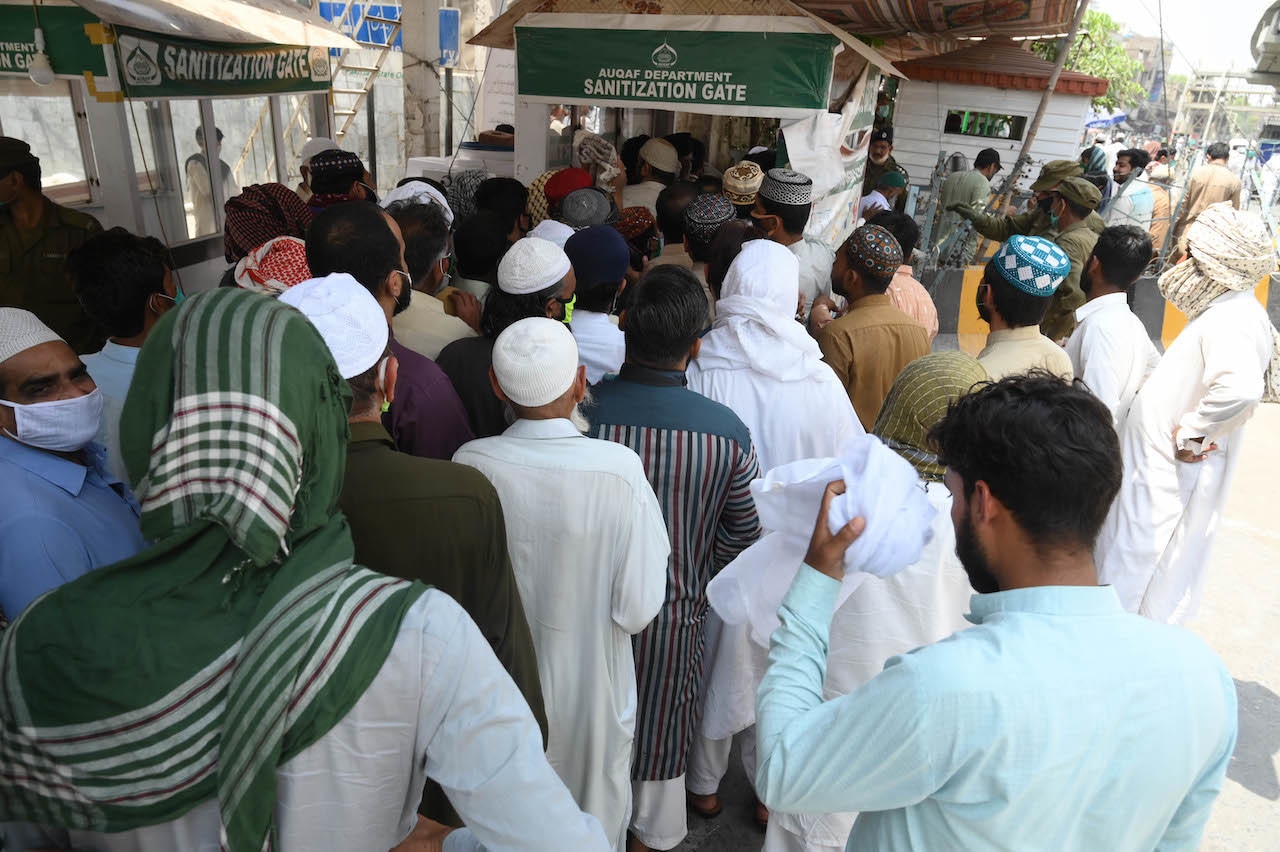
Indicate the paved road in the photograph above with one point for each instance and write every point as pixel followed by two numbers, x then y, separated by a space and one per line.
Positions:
pixel 1240 619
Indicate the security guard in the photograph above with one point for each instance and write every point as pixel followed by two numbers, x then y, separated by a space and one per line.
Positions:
pixel 36 236
pixel 1035 222
pixel 880 161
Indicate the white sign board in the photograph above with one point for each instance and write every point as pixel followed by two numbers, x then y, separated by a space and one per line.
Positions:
pixel 498 90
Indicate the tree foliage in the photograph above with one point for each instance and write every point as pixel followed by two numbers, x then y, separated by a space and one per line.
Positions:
pixel 1097 51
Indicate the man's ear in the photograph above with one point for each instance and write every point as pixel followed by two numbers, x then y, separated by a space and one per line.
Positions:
pixel 1094 267
pixel 497 391
pixel 580 384
pixel 389 378
pixel 622 319
pixel 984 506
pixel 695 349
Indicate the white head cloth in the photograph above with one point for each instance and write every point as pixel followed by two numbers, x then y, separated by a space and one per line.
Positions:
pixel 755 326
pixel 880 486
pixel 1230 251
pixel 552 231
pixel 419 192
pixel 316 145
pixel 348 317
pixel 20 330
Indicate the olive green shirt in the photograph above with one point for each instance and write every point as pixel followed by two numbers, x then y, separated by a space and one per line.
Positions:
pixel 1077 240
pixel 1033 223
pixel 33 272
pixel 440 523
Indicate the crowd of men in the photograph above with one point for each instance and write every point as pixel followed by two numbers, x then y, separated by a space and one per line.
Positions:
pixel 401 538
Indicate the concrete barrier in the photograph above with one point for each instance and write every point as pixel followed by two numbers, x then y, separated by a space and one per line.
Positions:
pixel 955 293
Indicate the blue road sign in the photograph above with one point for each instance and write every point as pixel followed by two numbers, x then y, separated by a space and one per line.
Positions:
pixel 450 37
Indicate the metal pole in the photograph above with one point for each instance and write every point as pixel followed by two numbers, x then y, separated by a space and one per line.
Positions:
pixel 1034 127
pixel 1213 111
pixel 448 117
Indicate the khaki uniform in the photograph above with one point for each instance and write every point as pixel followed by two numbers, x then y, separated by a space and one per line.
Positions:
pixel 1207 185
pixel 33 272
pixel 873 174
pixel 1077 240
pixel 1033 223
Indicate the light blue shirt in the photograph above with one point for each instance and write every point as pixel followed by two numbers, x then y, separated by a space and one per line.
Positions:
pixel 60 520
pixel 1057 722
pixel 112 370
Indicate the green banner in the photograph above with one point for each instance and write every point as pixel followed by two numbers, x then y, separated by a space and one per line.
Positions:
pixel 66 41
pixel 156 66
pixel 735 69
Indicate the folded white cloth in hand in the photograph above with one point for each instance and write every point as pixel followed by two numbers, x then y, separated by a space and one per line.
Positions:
pixel 880 486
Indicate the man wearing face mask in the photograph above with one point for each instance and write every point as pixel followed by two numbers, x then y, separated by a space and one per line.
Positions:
pixel 880 162
pixel 1070 207
pixel 1036 221
pixel 125 283
pixel 427 418
pixel 36 236
pixel 535 279
pixel 65 514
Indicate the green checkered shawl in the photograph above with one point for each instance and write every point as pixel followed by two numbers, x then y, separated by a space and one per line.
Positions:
pixel 192 670
pixel 918 400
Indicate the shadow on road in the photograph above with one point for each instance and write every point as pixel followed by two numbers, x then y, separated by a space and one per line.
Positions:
pixel 1252 765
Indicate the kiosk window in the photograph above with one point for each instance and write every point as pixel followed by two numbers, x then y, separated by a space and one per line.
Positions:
pixel 45 118
pixel 248 144
pixel 990 125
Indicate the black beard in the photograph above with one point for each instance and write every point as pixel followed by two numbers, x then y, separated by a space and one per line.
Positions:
pixel 1086 282
pixel 973 560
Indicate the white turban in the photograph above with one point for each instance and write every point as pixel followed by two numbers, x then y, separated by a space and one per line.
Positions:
pixel 552 231
pixel 419 192
pixel 348 317
pixel 1230 251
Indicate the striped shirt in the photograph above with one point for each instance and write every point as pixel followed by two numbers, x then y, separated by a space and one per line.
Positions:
pixel 698 457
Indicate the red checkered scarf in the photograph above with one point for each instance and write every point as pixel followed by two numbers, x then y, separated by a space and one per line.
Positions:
pixel 261 213
pixel 274 266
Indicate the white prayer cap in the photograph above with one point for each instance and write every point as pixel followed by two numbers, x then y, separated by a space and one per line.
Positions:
pixel 553 232
pixel 532 265
pixel 535 361
pixel 20 330
pixel 419 192
pixel 348 317
pixel 315 146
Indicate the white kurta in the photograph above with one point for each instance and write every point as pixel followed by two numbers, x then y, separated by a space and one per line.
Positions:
pixel 816 261
pixel 1154 547
pixel 601 346
pixel 1111 352
pixel 883 617
pixel 589 549
pixel 442 707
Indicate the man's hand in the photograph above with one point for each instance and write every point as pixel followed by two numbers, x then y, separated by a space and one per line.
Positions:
pixel 427 836
pixel 872 209
pixel 826 551
pixel 1187 455
pixel 468 309
pixel 964 211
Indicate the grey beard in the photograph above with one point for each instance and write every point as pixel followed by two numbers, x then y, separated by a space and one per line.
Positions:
pixel 578 418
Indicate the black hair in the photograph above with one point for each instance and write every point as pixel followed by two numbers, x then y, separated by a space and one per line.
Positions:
pixel 30 171
pixel 682 142
pixel 1164 152
pixel 114 273
pixel 1046 449
pixel 1218 151
pixel 353 237
pixel 1017 308
pixel 217 132
pixel 698 154
pixel 630 155
pixel 503 309
pixel 792 216
pixel 986 157
pixel 1137 157
pixel 1098 179
pixel 657 174
pixel 479 244
pixel 597 298
pixel 711 184
pixel 666 312
pixel 329 181
pixel 505 196
pixel 670 205
pixel 1123 251
pixel 506 128
pixel 425 232
pixel 725 248
pixel 903 227
pixel 764 159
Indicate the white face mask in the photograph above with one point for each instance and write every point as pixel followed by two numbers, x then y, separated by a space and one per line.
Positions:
pixel 62 425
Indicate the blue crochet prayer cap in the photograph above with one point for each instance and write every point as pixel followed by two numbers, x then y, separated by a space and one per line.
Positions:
pixel 1032 264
